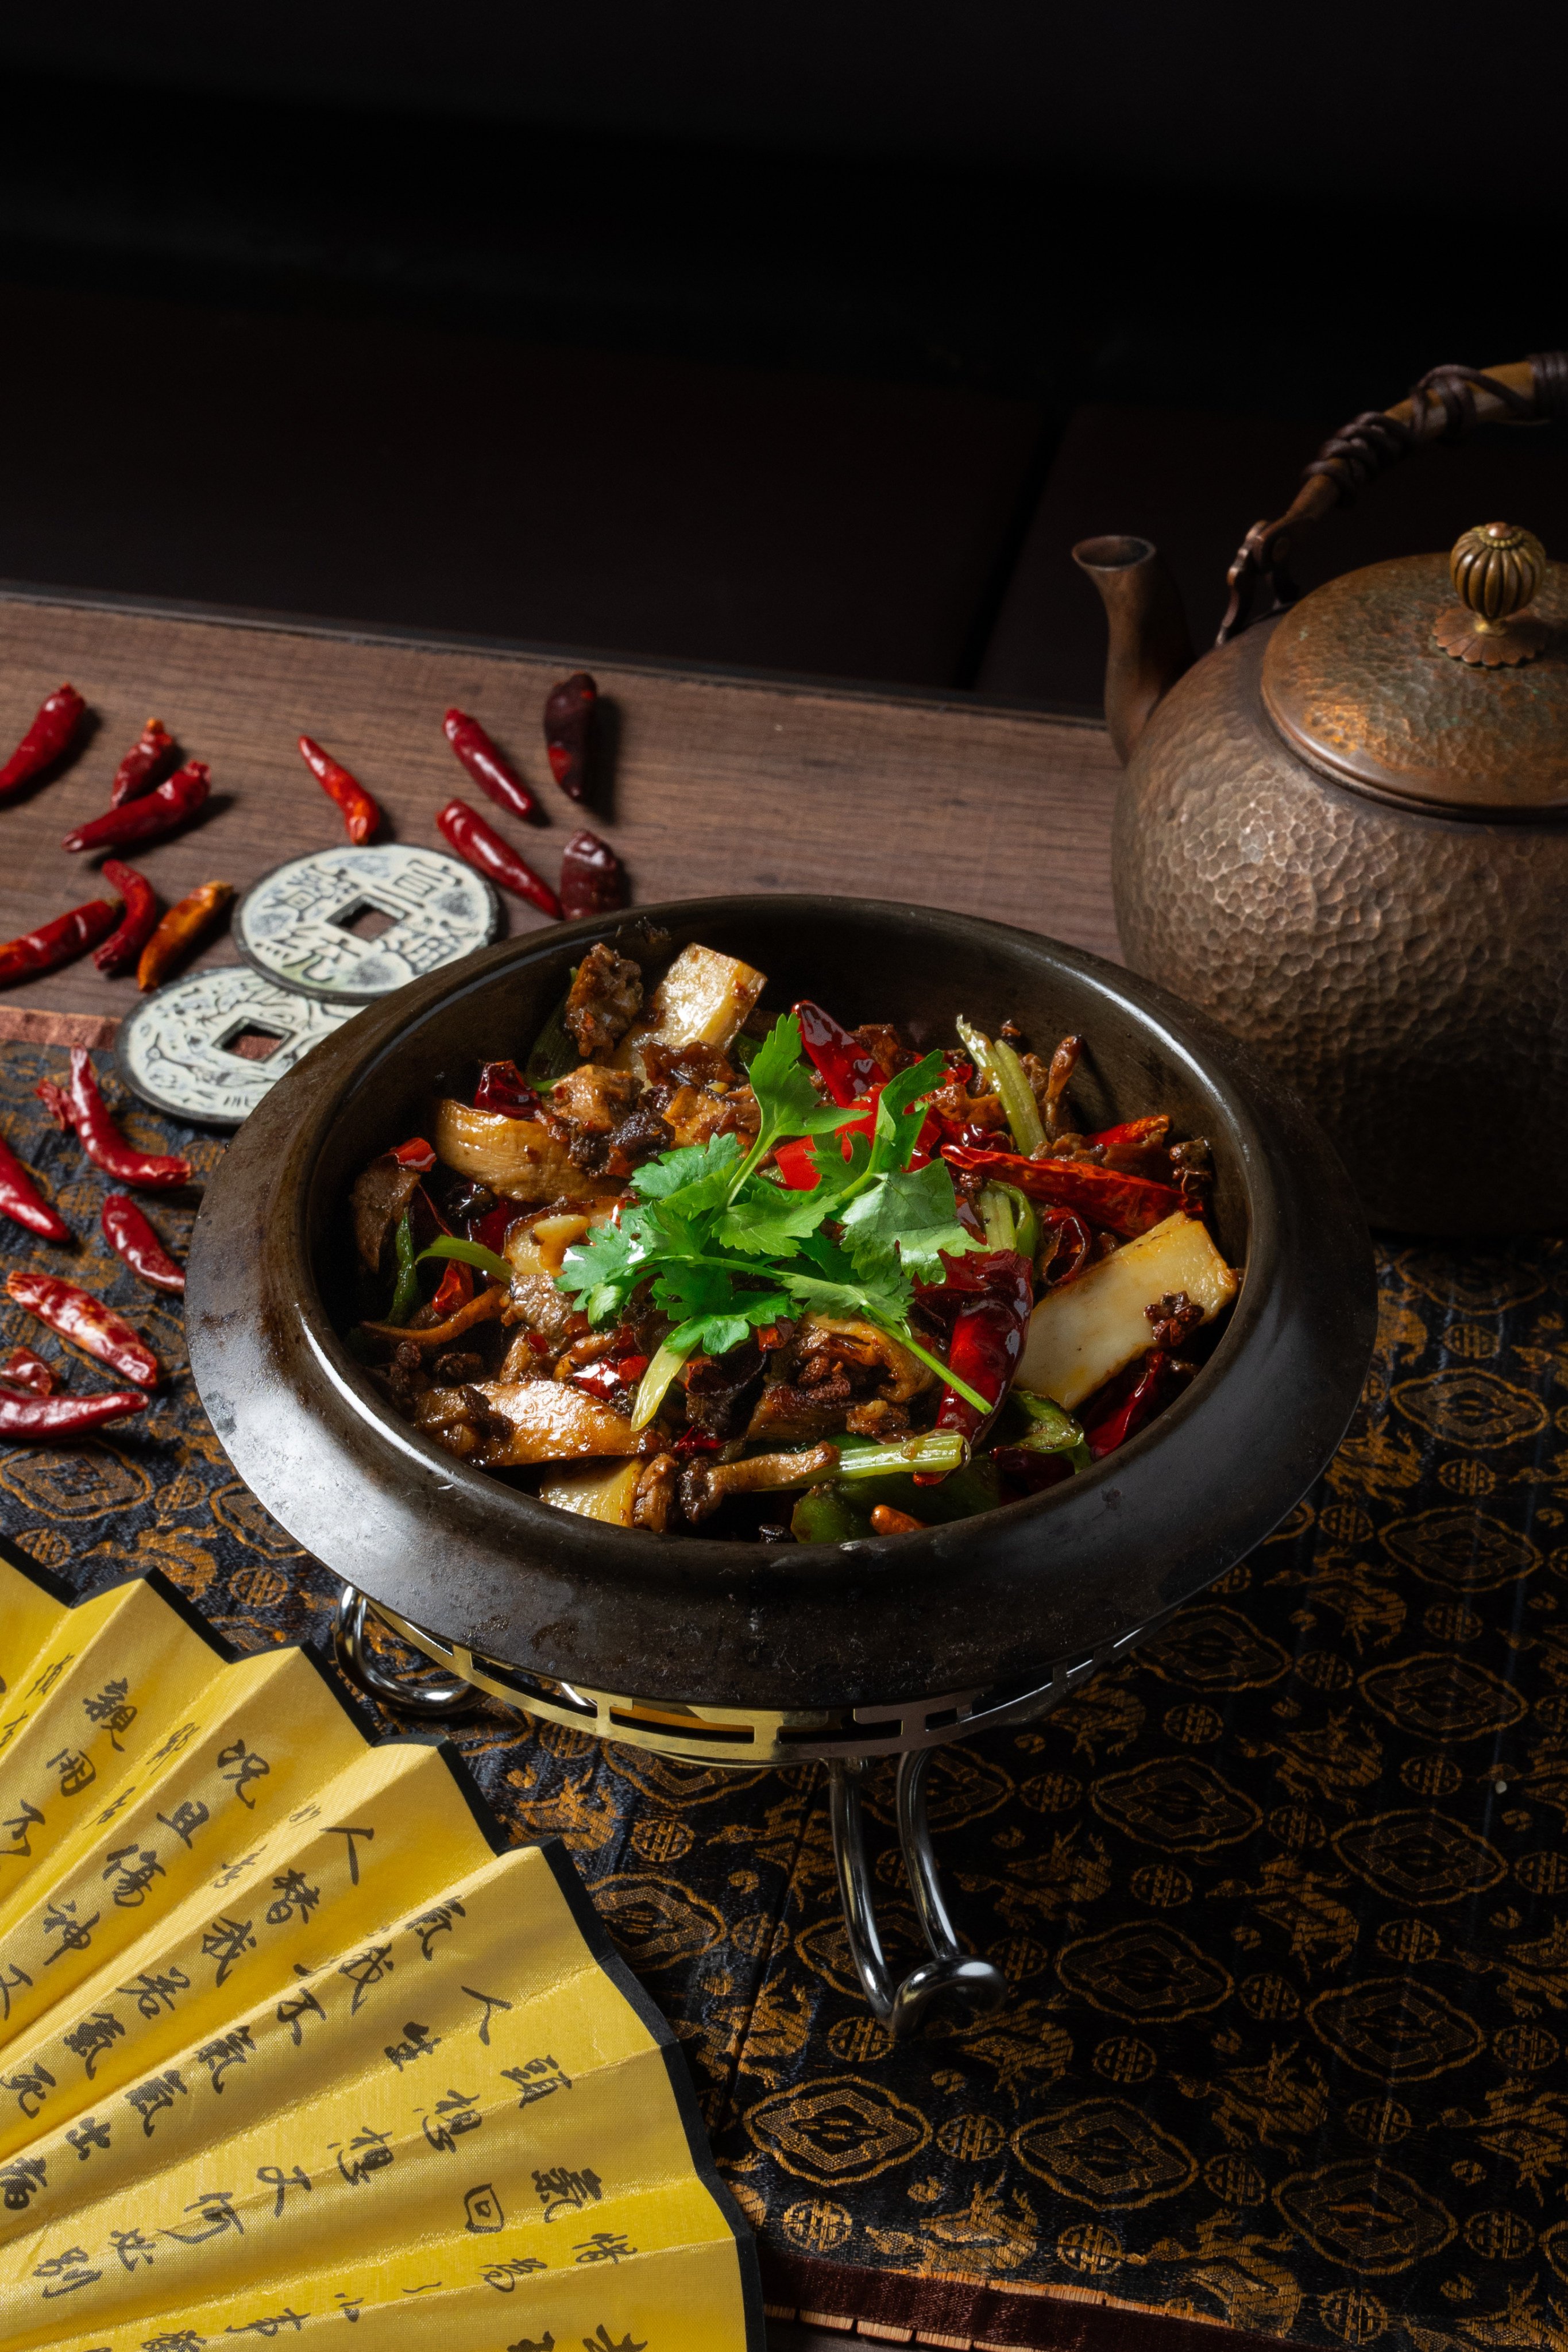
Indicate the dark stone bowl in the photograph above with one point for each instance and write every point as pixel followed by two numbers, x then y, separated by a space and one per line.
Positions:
pixel 985 1602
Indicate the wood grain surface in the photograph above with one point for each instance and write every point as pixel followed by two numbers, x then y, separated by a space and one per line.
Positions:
pixel 713 783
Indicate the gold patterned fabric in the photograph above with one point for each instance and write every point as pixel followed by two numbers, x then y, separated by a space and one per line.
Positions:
pixel 1283 1901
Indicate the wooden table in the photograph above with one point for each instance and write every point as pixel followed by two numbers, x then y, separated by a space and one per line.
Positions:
pixel 713 782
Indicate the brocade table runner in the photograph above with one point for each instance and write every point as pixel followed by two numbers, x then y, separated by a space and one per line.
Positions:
pixel 1283 1900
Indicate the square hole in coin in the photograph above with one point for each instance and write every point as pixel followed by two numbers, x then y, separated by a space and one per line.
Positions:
pixel 252 1044
pixel 365 919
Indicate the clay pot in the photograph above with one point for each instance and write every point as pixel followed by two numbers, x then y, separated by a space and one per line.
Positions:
pixel 980 1605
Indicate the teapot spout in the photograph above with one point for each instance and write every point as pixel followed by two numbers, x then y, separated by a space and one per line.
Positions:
pixel 1149 642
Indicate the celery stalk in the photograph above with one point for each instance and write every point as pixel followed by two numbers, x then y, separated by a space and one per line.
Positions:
pixel 666 1363
pixel 1005 1071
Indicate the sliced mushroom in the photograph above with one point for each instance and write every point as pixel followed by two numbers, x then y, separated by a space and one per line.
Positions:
pixel 380 1197
pixel 704 1485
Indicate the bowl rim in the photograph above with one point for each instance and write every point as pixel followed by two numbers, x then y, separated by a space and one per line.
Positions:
pixel 699 1572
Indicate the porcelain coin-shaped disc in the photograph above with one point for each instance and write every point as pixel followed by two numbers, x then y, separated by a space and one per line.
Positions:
pixel 199 1048
pixel 348 925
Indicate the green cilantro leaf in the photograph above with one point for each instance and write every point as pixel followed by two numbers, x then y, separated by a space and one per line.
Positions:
pixel 602 1272
pixel 769 1220
pixel 682 1171
pixel 914 1212
pixel 900 1113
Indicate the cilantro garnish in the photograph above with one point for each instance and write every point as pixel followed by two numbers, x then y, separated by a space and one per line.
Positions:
pixel 726 1246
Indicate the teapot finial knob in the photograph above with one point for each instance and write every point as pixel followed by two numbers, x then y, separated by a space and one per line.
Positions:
pixel 1497 570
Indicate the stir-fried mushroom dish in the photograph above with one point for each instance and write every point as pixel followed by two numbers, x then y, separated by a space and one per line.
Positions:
pixel 696 1267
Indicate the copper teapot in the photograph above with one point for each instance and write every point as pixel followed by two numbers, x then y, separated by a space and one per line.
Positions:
pixel 1343 833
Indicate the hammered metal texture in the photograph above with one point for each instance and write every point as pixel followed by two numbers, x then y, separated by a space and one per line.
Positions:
pixel 1357 679
pixel 1407 974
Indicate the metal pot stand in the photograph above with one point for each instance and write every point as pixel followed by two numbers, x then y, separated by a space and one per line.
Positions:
pixel 739 1738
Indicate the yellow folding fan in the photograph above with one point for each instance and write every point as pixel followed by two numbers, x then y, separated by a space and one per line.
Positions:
pixel 295 2048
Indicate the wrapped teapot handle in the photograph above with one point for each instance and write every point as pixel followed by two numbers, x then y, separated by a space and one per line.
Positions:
pixel 1442 406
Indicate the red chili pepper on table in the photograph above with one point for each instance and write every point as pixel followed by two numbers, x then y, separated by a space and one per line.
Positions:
pixel 362 815
pixel 503 1088
pixel 160 811
pixel 485 764
pixel 847 1068
pixel 87 1322
pixel 19 1198
pixel 1116 1426
pixel 48 738
pixel 482 847
pixel 985 1304
pixel 568 716
pixel 48 1417
pixel 130 1238
pixel 153 754
pixel 22 1370
pixel 1123 1204
pixel 137 923
pixel 57 942
pixel 179 931
pixel 82 1107
pixel 592 879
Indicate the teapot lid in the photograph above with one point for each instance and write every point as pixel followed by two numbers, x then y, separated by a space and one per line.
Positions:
pixel 1439 683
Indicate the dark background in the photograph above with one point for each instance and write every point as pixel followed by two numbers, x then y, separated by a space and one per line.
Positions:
pixel 805 337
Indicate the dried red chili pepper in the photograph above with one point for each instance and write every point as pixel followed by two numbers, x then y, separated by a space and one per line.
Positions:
pixel 568 716
pixel 454 1289
pixel 415 1153
pixel 1123 1204
pixel 487 854
pixel 362 815
pixel 82 1107
pixel 503 1088
pixel 490 1230
pixel 22 1370
pixel 1067 1242
pixel 485 764
pixel 985 1304
pixel 152 756
pixel 847 1068
pixel 694 1441
pixel 592 879
pixel 1116 1426
pixel 130 1237
pixel 1035 1472
pixel 163 810
pixel 179 930
pixel 57 942
pixel 19 1198
pixel 86 1322
pixel 48 738
pixel 1132 1137
pixel 137 924
pixel 602 1380
pixel 47 1417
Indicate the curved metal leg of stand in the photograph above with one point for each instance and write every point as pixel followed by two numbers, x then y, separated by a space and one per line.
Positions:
pixel 901 2005
pixel 449 1698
